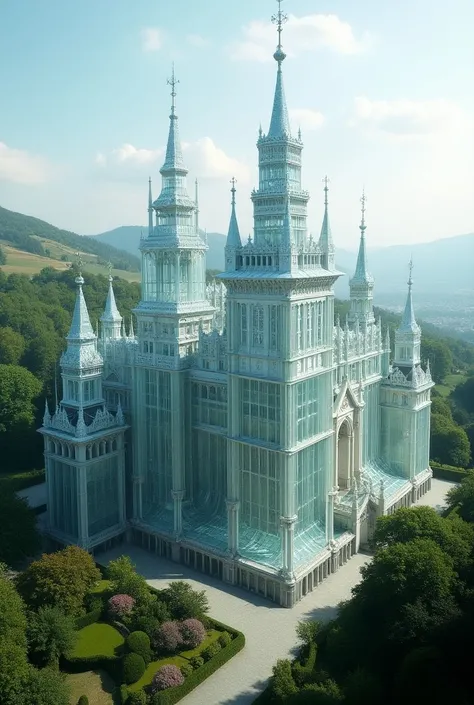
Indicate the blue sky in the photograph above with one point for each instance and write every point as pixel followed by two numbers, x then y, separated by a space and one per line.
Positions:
pixel 382 91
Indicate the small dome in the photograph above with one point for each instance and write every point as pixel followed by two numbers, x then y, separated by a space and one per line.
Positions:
pixel 279 55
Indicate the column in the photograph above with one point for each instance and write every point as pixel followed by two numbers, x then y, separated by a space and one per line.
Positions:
pixel 178 496
pixel 351 459
pixel 332 494
pixel 288 544
pixel 233 526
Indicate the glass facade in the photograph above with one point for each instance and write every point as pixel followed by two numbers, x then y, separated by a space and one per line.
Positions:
pixel 260 410
pixel 260 489
pixel 422 436
pixel 207 484
pixel 371 423
pixel 313 413
pixel 394 438
pixel 157 461
pixel 209 404
pixel 103 495
pixel 63 490
pixel 312 482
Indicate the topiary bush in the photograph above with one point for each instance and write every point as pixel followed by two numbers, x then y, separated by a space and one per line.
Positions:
pixel 196 662
pixel 168 676
pixel 138 698
pixel 192 633
pixel 168 637
pixel 211 650
pixel 139 643
pixel 83 700
pixel 133 668
pixel 186 669
pixel 120 605
pixel 224 639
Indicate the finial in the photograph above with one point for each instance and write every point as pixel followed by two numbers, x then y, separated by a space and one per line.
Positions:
pixel 279 19
pixel 363 201
pixel 299 133
pixel 233 181
pixel 172 82
pixel 260 131
pixel 110 267
pixel 410 269
pixel 326 181
pixel 79 279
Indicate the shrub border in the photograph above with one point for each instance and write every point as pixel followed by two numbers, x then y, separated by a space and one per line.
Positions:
pixel 447 472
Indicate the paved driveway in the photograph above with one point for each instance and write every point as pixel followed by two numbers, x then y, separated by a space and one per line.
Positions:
pixel 268 628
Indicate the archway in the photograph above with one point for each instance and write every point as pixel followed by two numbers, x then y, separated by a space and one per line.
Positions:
pixel 344 455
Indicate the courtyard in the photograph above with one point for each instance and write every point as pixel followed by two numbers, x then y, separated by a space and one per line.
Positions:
pixel 269 629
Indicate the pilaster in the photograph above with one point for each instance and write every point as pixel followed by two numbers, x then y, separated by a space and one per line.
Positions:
pixel 233 507
pixel 287 545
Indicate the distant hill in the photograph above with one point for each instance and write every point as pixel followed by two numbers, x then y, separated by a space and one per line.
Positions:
pixel 441 266
pixel 36 237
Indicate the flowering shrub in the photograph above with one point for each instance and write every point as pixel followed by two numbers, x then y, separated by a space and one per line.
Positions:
pixel 167 676
pixel 192 632
pixel 120 605
pixel 168 637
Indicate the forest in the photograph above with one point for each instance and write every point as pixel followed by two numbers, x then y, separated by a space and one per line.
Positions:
pixel 35 315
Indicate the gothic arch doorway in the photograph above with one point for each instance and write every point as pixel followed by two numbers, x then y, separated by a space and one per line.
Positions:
pixel 344 455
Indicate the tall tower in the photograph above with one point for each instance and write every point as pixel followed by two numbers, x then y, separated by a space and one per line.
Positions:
pixel 84 445
pixel 280 313
pixel 362 283
pixel 406 401
pixel 172 311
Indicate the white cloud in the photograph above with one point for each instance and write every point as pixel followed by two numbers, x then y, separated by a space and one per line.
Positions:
pixel 409 118
pixel 196 40
pixel 21 167
pixel 306 118
pixel 152 39
pixel 301 34
pixel 203 158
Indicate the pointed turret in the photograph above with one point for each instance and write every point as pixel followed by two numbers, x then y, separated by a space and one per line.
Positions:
pixel 111 319
pixel 408 334
pixel 326 243
pixel 81 328
pixel 174 155
pixel 362 283
pixel 280 123
pixel 233 235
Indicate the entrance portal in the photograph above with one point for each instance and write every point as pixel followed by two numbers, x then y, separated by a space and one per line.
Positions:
pixel 344 455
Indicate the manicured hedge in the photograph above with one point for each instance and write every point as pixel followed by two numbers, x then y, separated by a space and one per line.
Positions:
pixel 111 664
pixel 89 618
pixel 21 480
pixel 447 472
pixel 173 695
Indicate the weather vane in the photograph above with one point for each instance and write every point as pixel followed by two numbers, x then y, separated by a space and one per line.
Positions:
pixel 279 19
pixel 80 263
pixel 363 200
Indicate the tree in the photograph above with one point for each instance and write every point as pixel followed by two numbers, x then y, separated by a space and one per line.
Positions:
pixel 14 673
pixel 462 497
pixel 282 684
pixel 12 612
pixel 464 395
pixel 46 686
pixel 449 443
pixel 126 580
pixel 439 355
pixel 18 390
pixel 183 602
pixel 3 256
pixel 19 537
pixel 59 579
pixel 51 634
pixel 451 535
pixel 12 346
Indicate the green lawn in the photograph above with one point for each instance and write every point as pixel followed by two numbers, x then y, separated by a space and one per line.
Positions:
pixel 98 639
pixel 449 383
pixel 102 586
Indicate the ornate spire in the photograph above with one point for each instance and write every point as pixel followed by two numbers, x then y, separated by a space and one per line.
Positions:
pixel 111 319
pixel 150 209
pixel 409 324
pixel 361 275
pixel 233 235
pixel 279 124
pixel 326 243
pixel 81 327
pixel 174 156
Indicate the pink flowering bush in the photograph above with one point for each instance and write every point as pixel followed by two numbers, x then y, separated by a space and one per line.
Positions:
pixel 168 637
pixel 120 605
pixel 168 676
pixel 192 632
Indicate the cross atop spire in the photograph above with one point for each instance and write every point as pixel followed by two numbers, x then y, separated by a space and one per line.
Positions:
pixel 110 267
pixel 279 19
pixel 233 181
pixel 173 81
pixel 363 201
pixel 410 270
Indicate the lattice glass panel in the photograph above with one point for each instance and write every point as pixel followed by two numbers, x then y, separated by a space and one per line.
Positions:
pixel 312 481
pixel 62 479
pixel 260 410
pixel 259 489
pixel 422 440
pixel 371 423
pixel 102 495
